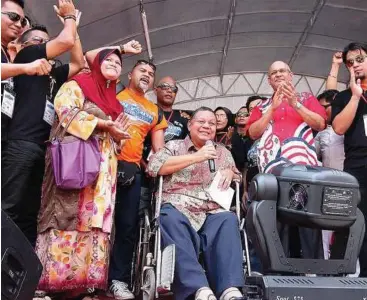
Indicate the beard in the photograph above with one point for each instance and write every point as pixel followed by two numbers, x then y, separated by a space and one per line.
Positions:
pixel 143 86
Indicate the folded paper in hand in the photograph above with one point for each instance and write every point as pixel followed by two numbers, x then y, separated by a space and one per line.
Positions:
pixel 223 198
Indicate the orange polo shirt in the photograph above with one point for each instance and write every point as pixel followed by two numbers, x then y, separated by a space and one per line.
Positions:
pixel 143 115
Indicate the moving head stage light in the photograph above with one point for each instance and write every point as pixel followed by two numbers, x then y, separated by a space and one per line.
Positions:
pixel 311 197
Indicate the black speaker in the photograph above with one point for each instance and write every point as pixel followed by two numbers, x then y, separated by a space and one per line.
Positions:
pixel 20 266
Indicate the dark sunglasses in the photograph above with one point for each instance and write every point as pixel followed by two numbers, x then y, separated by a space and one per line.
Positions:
pixel 165 86
pixel 359 59
pixel 37 39
pixel 242 114
pixel 14 17
pixel 145 62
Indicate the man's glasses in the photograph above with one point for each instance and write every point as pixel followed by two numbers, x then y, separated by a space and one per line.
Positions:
pixel 359 59
pixel 203 122
pixel 14 17
pixel 145 62
pixel 36 39
pixel 242 114
pixel 165 86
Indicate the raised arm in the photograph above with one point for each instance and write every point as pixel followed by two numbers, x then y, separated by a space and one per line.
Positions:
pixel 66 38
pixel 76 54
pixel 344 119
pixel 132 47
pixel 332 79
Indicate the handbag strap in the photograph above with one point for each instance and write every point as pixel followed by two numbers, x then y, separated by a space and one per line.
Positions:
pixel 58 128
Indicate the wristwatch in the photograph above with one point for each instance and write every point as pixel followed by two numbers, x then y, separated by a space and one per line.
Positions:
pixel 298 105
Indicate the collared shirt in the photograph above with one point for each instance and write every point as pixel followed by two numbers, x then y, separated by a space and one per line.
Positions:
pixel 330 148
pixel 287 138
pixel 286 119
pixel 186 189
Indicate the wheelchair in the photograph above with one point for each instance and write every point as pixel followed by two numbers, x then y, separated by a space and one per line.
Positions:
pixel 154 267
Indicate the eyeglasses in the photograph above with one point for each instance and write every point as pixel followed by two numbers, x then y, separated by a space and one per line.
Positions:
pixel 14 17
pixel 242 114
pixel 37 39
pixel 203 122
pixel 221 116
pixel 165 86
pixel 359 59
pixel 145 62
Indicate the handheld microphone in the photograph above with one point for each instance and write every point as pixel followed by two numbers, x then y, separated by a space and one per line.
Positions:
pixel 211 161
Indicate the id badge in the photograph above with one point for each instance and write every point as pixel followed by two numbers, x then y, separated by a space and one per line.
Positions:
pixel 49 114
pixel 365 124
pixel 7 105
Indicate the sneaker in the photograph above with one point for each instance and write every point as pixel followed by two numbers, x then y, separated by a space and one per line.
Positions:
pixel 205 293
pixel 232 294
pixel 119 291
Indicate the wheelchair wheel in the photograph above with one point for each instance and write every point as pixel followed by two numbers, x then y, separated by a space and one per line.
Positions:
pixel 148 288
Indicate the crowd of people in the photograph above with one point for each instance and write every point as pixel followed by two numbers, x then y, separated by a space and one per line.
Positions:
pixel 85 235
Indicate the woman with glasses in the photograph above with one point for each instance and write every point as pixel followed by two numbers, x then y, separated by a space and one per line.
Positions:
pixel 224 126
pixel 74 226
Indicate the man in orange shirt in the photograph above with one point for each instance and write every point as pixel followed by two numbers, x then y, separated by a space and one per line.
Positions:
pixel 145 117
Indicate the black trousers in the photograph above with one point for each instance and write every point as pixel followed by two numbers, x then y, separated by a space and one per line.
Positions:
pixel 22 166
pixel 338 249
pixel 126 226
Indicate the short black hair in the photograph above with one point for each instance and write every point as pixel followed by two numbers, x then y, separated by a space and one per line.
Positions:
pixel 19 2
pixel 242 107
pixel 328 95
pixel 203 108
pixel 252 99
pixel 352 47
pixel 25 36
pixel 145 62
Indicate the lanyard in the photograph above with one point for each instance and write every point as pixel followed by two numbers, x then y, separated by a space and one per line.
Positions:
pixel 170 116
pixel 222 138
pixel 6 54
pixel 52 84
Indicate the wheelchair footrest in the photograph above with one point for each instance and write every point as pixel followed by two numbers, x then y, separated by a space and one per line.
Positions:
pixel 167 268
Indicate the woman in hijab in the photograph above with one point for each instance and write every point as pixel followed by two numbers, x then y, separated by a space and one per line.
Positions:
pixel 74 226
pixel 224 126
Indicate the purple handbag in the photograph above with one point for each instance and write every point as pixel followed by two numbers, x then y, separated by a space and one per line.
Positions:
pixel 75 162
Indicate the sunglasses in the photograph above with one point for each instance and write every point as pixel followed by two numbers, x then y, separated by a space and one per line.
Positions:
pixel 359 59
pixel 14 17
pixel 145 62
pixel 165 86
pixel 36 39
pixel 242 114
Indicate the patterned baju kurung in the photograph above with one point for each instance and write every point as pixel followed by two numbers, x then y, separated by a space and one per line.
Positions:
pixel 74 226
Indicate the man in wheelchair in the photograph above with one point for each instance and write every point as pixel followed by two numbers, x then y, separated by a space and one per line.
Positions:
pixel 192 220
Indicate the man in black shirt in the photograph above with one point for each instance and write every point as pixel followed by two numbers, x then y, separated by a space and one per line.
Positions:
pixel 24 153
pixel 12 24
pixel 166 92
pixel 349 117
